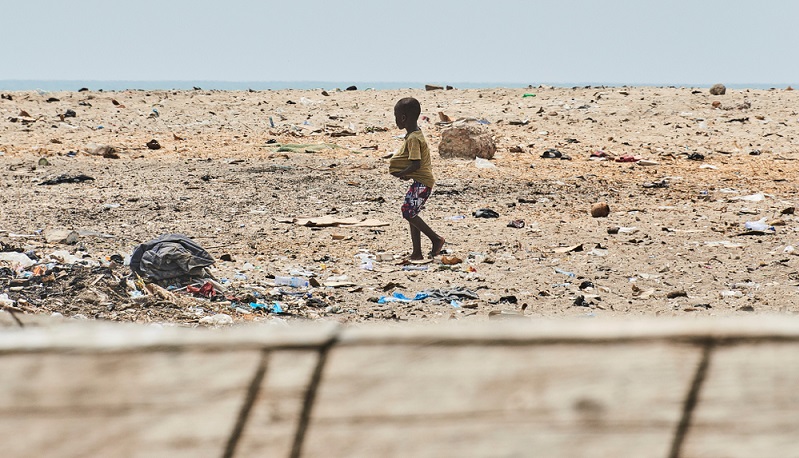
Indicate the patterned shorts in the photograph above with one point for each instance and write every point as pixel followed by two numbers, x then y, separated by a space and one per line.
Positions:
pixel 414 200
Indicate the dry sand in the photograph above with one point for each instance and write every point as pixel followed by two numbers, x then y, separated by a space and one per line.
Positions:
pixel 218 181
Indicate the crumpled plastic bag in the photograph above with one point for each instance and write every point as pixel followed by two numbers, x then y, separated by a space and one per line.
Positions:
pixel 170 256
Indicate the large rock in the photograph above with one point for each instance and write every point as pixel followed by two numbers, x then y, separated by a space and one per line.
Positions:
pixel 718 89
pixel 466 141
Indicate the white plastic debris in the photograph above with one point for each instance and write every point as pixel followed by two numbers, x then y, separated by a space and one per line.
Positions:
pixel 6 301
pixel 759 225
pixel 220 319
pixel 64 257
pixel 758 197
pixel 481 163
pixel 16 259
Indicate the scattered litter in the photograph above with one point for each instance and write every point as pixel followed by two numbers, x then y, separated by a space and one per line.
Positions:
pixel 17 260
pixel 327 221
pixel 568 249
pixel 414 268
pixel 171 257
pixel 759 225
pixel 758 197
pixel 303 148
pixel 485 213
pixel 647 163
pixel 456 293
pixel 220 319
pixel 656 184
pixel 723 243
pixel 274 307
pixel 566 273
pixel 66 178
pixel 294 282
pixel 481 163
pixel 554 154
pixel 450 260
pixel 399 297
pixel 622 230
pixel 505 315
pixel 206 290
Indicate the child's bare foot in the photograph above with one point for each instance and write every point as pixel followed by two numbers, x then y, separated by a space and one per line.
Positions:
pixel 437 246
pixel 415 257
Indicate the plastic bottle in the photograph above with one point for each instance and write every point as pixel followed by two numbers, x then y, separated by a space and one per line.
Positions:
pixel 294 282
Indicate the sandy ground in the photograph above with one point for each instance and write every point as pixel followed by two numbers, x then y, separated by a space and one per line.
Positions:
pixel 682 250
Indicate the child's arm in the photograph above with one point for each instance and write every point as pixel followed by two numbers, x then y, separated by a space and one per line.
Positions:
pixel 403 174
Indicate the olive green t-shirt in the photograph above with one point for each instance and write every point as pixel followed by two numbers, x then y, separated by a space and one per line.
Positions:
pixel 414 149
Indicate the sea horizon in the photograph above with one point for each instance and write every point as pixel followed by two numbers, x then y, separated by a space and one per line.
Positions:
pixel 122 85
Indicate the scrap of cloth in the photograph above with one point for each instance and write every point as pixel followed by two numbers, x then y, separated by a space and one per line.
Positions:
pixel 456 293
pixel 170 256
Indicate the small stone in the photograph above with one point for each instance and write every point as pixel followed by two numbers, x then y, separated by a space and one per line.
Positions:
pixel 600 210
pixel 153 144
pixel 716 104
pixel 718 89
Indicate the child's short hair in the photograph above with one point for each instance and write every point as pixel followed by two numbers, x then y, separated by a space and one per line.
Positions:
pixel 410 107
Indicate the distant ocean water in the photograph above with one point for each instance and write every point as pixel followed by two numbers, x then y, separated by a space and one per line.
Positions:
pixel 65 85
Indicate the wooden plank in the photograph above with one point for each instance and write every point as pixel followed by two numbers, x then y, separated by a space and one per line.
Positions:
pixel 473 400
pixel 749 403
pixel 28 320
pixel 600 330
pixel 7 320
pixel 92 336
pixel 276 411
pixel 152 404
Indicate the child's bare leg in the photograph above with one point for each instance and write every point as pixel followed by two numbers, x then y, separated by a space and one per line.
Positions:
pixel 416 239
pixel 435 239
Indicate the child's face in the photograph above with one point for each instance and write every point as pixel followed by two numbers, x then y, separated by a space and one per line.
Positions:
pixel 400 118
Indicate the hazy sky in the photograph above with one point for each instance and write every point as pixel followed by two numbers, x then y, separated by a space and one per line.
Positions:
pixel 555 41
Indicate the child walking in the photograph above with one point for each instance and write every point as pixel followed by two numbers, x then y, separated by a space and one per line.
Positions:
pixel 412 162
